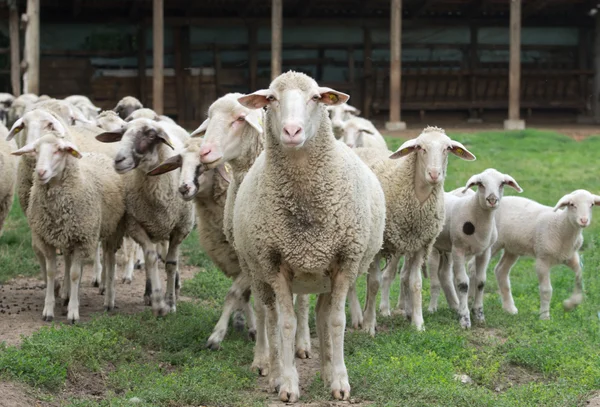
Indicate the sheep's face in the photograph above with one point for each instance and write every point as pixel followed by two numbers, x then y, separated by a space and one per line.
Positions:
pixel 33 125
pixel 52 152
pixel 294 102
pixel 490 187
pixel 340 114
pixel 223 131
pixel 126 106
pixel 109 121
pixel 353 134
pixel 143 113
pixel 432 148
pixel 579 206
pixel 194 179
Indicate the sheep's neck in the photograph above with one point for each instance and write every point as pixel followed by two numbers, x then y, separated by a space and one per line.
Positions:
pixel 568 231
pixel 71 171
pixel 252 147
pixel 483 217
pixel 423 189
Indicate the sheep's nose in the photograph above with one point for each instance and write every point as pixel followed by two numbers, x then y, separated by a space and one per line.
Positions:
pixel 584 220
pixel 184 189
pixel 434 174
pixel 119 158
pixel 41 172
pixel 205 150
pixel 292 130
pixel 492 200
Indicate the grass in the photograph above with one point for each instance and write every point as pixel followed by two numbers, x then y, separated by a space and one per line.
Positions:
pixel 513 360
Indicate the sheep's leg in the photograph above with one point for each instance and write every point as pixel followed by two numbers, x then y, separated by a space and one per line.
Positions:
pixel 389 274
pixel 303 348
pixel 288 384
pixel 109 274
pixel 373 283
pixel 130 251
pixel 434 263
pixel 65 291
pixel 172 268
pixel 148 288
pixel 98 280
pixel 404 304
pixel 322 310
pixel 42 262
pixel 446 280
pixel 271 322
pixel 542 268
pixel 76 271
pixel 249 313
pixel 414 300
pixel 232 301
pixel 471 268
pixel 355 308
pixel 50 258
pixel 461 281
pixel 502 272
pixel 481 264
pixel 577 297
pixel 261 349
pixel 340 387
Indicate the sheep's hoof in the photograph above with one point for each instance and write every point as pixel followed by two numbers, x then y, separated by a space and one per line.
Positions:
pixel 341 390
pixel 95 283
pixel 47 318
pixel 108 308
pixel 73 321
pixel 478 315
pixel 101 291
pixel 303 354
pixel 511 309
pixel 465 322
pixel 385 311
pixel 545 316
pixel 126 280
pixel 252 335
pixel 213 345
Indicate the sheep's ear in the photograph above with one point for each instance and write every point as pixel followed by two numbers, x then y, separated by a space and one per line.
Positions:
pixel 165 138
pixel 55 125
pixel 70 148
pixel 28 149
pixel 596 200
pixel 170 164
pixel 459 150
pixel 77 115
pixel 111 136
pixel 564 201
pixel 510 181
pixel 224 171
pixel 405 149
pixel 351 109
pixel 255 100
pixel 368 131
pixel 199 132
pixel 254 119
pixel 332 97
pixel 17 127
pixel 474 180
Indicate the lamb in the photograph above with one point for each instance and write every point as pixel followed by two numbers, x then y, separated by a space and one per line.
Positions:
pixel 359 132
pixel 89 110
pixel 239 144
pixel 8 174
pixel 413 189
pixel 75 202
pixel 527 228
pixel 126 106
pixel 469 232
pixel 338 115
pixel 155 212
pixel 308 218
pixel 208 189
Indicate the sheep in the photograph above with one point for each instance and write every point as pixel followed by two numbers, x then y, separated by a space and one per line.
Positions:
pixel 8 174
pixel 145 113
pixel 528 228
pixel 469 232
pixel 308 218
pixel 89 110
pixel 208 189
pixel 75 202
pixel 239 144
pixel 155 212
pixel 109 120
pixel 126 106
pixel 359 132
pixel 338 115
pixel 414 191
pixel 6 100
pixel 18 106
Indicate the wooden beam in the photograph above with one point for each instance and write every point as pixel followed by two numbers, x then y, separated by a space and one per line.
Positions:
pixel 276 33
pixel 141 43
pixel 514 75
pixel 534 7
pixel 395 60
pixel 31 78
pixel 422 8
pixel 253 57
pixel 15 57
pixel 158 46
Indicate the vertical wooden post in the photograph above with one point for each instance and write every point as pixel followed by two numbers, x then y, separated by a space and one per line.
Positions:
pixel 141 43
pixel 514 69
pixel 253 57
pixel 368 72
pixel 15 53
pixel 179 73
pixel 31 78
pixel 596 90
pixel 158 46
pixel 394 122
pixel 276 32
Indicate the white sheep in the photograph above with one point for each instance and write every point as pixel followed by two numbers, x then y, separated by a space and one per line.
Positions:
pixel 469 232
pixel 338 115
pixel 6 100
pixel 413 181
pixel 109 120
pixel 359 132
pixel 550 235
pixel 308 218
pixel 18 106
pixel 155 212
pixel 89 110
pixel 126 106
pixel 208 190
pixel 75 202
pixel 233 133
pixel 8 174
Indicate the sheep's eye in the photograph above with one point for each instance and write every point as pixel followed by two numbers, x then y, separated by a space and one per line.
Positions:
pixel 316 97
pixel 592 205
pixel 270 98
pixel 572 204
pixel 241 118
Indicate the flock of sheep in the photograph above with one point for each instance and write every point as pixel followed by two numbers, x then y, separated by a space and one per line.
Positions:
pixel 292 194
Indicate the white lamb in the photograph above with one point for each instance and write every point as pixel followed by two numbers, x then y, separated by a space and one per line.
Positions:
pixel 89 110
pixel 8 174
pixel 338 115
pixel 469 231
pixel 359 132
pixel 550 235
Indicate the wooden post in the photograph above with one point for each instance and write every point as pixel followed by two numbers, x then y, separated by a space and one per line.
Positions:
pixel 179 73
pixel 514 69
pixel 158 46
pixel 276 32
pixel 253 57
pixel 141 43
pixel 15 57
pixel 596 90
pixel 31 78
pixel 395 66
pixel 368 72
